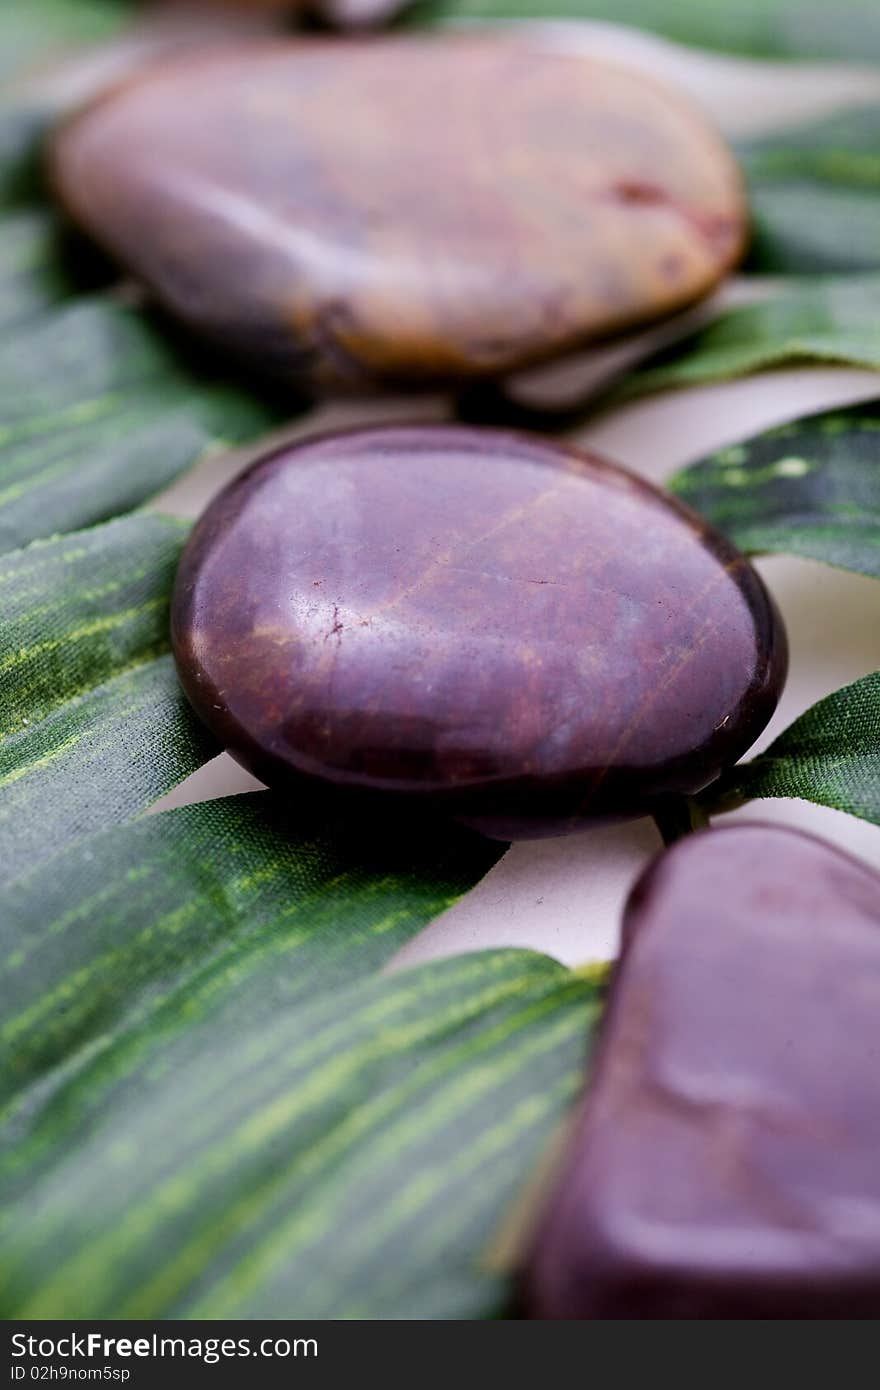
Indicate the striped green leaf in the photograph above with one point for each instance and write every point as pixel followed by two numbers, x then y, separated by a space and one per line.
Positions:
pixel 23 123
pixel 93 726
pixel 763 28
pixel 815 195
pixel 134 934
pixel 818 320
pixel 348 1158
pixel 33 30
pixel 831 755
pixel 40 42
pixel 809 488
pixel 40 266
pixel 99 411
pixel 80 610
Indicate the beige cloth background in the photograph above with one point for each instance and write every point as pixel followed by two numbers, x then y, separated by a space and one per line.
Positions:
pixel 565 896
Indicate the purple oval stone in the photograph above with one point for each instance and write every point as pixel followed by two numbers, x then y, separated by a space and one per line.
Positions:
pixel 509 630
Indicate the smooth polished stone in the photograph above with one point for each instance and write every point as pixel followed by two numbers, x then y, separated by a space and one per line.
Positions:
pixel 404 209
pixel 521 635
pixel 725 1164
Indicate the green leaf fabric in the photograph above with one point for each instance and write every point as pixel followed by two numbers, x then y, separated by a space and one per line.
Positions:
pixel 830 320
pixel 99 411
pixel 831 755
pixel 815 195
pixel 351 1157
pixel 33 30
pixel 36 270
pixel 34 36
pixel 80 609
pixel 761 28
pixel 93 724
pixel 135 932
pixel 21 173
pixel 808 488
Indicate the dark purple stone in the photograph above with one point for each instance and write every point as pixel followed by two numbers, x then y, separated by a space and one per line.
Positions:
pixel 507 630
pixel 725 1162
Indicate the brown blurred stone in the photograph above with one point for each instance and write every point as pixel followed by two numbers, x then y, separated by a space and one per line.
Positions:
pixel 404 209
pixel 511 632
pixel 725 1164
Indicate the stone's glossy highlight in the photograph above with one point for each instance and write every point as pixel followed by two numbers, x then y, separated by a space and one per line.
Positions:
pixel 725 1162
pixel 405 209
pixel 521 635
